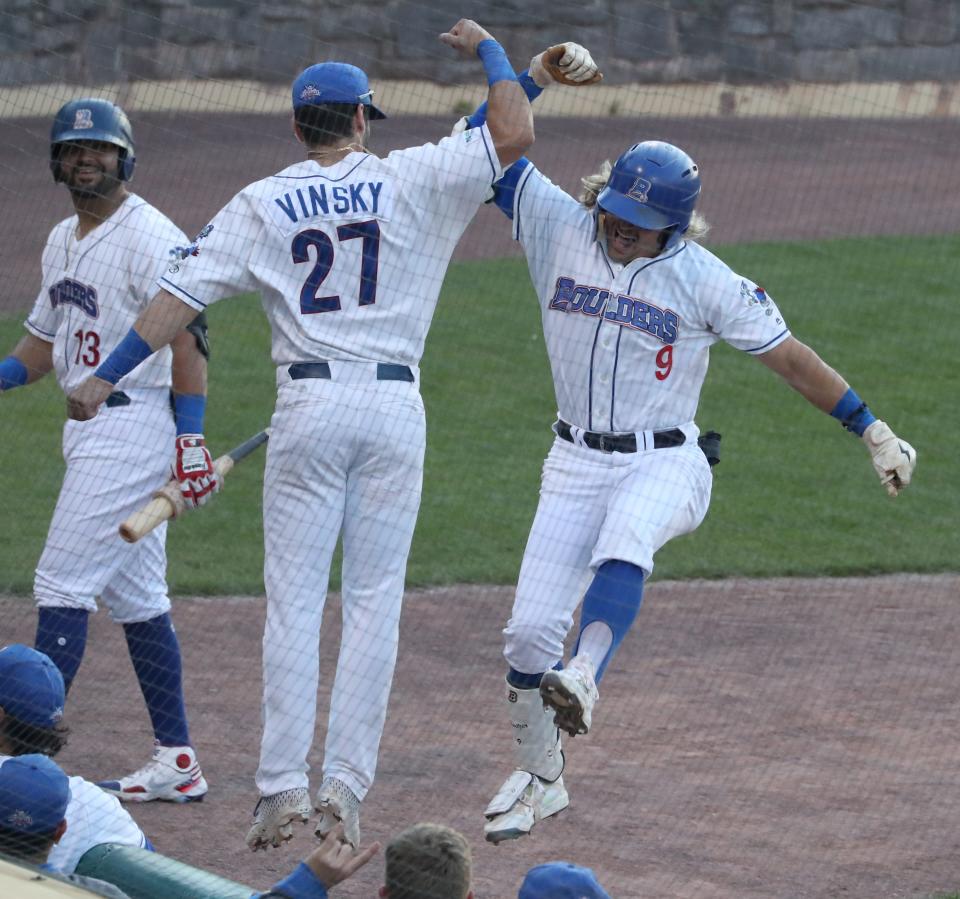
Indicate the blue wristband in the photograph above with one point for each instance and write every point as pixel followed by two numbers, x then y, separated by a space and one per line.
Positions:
pixel 853 413
pixel 530 87
pixel 127 355
pixel 188 410
pixel 495 62
pixel 13 373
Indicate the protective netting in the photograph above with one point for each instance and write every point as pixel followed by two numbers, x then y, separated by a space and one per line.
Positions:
pixel 483 404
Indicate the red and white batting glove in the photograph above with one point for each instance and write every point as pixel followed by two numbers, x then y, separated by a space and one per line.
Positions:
pixel 194 471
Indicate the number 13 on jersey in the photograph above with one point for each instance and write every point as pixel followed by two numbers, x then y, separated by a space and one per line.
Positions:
pixel 324 259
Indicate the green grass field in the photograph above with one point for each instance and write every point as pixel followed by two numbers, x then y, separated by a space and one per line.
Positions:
pixel 794 494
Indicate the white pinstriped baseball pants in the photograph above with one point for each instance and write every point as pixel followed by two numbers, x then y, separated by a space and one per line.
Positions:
pixel 343 455
pixel 595 507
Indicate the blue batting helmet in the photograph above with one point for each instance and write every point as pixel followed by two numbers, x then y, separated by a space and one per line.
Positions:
pixel 653 185
pixel 91 118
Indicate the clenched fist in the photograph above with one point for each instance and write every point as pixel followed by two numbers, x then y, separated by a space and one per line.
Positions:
pixel 465 37
pixel 566 63
pixel 893 459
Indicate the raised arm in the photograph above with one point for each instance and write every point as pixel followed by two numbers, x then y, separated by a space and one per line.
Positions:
pixel 508 113
pixel 893 459
pixel 568 63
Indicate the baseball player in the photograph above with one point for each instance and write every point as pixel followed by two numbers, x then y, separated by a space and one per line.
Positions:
pixel 31 711
pixel 348 252
pixel 630 306
pixel 99 268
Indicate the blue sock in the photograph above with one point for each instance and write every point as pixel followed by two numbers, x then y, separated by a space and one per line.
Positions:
pixel 613 597
pixel 155 653
pixel 62 635
pixel 527 681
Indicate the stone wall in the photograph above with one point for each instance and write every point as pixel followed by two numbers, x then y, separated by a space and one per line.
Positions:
pixel 652 41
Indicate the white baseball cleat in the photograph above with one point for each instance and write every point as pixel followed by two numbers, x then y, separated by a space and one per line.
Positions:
pixel 275 815
pixel 173 775
pixel 338 804
pixel 523 800
pixel 571 693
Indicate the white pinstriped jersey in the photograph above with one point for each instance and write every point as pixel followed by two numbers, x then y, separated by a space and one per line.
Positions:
pixel 629 344
pixel 93 817
pixel 93 290
pixel 349 258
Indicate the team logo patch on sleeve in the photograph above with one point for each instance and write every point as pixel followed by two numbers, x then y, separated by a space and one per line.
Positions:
pixel 178 254
pixel 756 296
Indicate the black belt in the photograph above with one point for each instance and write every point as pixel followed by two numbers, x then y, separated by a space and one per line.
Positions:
pixel 621 443
pixel 118 398
pixel 386 371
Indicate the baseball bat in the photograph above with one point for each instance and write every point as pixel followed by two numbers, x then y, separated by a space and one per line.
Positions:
pixel 168 502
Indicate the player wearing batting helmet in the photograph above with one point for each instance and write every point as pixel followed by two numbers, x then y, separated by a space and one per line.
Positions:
pixel 99 268
pixel 31 712
pixel 631 305
pixel 348 251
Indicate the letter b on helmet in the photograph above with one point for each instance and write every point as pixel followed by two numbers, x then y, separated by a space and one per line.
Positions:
pixel 91 118
pixel 653 185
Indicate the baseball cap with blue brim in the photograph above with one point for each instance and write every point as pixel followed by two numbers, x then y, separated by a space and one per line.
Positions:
pixel 34 793
pixel 561 880
pixel 31 686
pixel 334 82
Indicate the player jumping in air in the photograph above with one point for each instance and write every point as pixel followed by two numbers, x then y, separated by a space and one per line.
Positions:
pixel 348 251
pixel 99 271
pixel 630 305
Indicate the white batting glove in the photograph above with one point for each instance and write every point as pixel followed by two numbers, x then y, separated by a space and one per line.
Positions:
pixel 460 126
pixel 576 63
pixel 893 459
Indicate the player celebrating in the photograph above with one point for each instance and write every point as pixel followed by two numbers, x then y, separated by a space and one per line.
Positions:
pixel 349 252
pixel 99 270
pixel 630 306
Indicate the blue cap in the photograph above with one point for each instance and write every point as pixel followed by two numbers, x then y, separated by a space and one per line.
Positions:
pixel 34 793
pixel 561 880
pixel 31 686
pixel 334 82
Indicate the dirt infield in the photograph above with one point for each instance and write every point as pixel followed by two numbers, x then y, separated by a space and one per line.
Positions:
pixel 773 179
pixel 779 738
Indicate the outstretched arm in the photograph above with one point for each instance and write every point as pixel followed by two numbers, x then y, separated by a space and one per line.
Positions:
pixel 893 459
pixel 158 324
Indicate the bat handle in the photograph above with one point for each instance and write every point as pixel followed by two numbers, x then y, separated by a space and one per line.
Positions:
pixel 167 503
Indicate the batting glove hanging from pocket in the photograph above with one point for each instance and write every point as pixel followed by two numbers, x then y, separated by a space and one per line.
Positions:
pixel 194 471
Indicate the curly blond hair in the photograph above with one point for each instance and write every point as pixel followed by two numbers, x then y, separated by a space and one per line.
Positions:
pixel 593 184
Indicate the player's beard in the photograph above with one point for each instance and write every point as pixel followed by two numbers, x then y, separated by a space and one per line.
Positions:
pixel 100 188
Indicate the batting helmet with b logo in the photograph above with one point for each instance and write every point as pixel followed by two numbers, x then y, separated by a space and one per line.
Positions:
pixel 653 185
pixel 92 119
